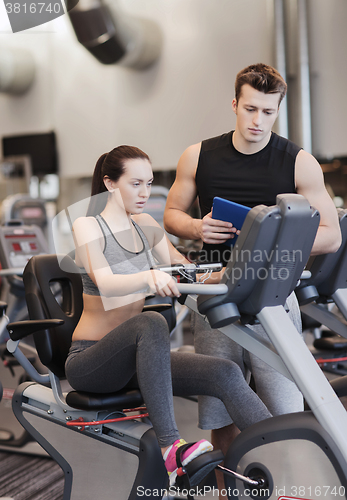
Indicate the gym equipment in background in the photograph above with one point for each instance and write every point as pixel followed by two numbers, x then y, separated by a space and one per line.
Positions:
pixel 15 175
pixel 21 236
pixel 26 210
pixel 323 301
pixel 18 243
pixel 29 181
pixel 155 207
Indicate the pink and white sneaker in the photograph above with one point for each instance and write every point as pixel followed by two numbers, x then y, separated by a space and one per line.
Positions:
pixel 187 454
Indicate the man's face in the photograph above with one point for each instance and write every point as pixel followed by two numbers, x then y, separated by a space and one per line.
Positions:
pixel 256 113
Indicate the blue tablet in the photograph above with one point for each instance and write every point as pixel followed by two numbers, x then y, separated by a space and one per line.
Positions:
pixel 229 211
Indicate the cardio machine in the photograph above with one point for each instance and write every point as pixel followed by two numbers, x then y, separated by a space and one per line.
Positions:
pixel 18 243
pixel 295 455
pixel 323 299
pixel 102 456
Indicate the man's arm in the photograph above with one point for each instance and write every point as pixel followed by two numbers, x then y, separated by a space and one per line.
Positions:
pixel 309 182
pixel 181 197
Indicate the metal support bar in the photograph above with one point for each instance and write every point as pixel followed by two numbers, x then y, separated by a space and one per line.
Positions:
pixel 3 331
pixel 280 58
pixel 12 347
pixel 340 299
pixel 304 77
pixel 307 375
pixel 18 271
pixel 249 340
pixel 57 391
pixel 327 318
pixel 202 289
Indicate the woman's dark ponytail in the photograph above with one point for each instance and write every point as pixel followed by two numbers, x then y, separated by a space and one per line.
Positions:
pixel 97 202
pixel 98 185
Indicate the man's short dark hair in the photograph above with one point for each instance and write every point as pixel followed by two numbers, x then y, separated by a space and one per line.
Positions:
pixel 261 77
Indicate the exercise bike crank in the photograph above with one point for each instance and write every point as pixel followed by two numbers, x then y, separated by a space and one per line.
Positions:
pixel 252 482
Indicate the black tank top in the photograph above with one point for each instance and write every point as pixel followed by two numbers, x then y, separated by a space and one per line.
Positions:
pixel 250 180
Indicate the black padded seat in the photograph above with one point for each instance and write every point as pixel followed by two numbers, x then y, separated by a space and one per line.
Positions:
pixel 53 343
pixel 331 343
pixel 108 401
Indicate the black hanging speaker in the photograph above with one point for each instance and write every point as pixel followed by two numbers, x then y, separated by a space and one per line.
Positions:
pixel 113 37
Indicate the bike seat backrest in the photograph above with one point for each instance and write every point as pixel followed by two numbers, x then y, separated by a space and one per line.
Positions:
pixel 53 290
pixel 269 255
pixel 329 271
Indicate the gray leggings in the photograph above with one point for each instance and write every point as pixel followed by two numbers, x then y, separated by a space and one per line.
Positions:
pixel 279 394
pixel 141 346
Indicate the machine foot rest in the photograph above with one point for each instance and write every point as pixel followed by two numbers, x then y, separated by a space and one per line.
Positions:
pixel 198 469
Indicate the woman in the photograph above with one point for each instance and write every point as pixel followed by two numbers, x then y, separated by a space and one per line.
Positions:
pixel 116 247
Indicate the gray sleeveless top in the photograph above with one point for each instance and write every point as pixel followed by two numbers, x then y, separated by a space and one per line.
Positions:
pixel 120 260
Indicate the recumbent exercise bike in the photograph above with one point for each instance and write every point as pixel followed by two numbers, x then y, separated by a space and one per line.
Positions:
pixel 121 458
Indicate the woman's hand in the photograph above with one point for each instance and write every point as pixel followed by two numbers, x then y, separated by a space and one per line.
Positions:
pixel 162 284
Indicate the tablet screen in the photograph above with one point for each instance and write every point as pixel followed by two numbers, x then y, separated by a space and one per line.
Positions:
pixel 229 211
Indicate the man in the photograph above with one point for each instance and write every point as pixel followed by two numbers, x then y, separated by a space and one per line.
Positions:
pixel 250 165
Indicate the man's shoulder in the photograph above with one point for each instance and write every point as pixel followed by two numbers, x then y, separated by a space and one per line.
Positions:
pixel 283 144
pixel 216 142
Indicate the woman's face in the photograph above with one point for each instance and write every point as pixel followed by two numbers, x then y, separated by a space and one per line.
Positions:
pixel 133 188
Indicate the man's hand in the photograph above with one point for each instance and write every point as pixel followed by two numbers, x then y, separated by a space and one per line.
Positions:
pixel 214 231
